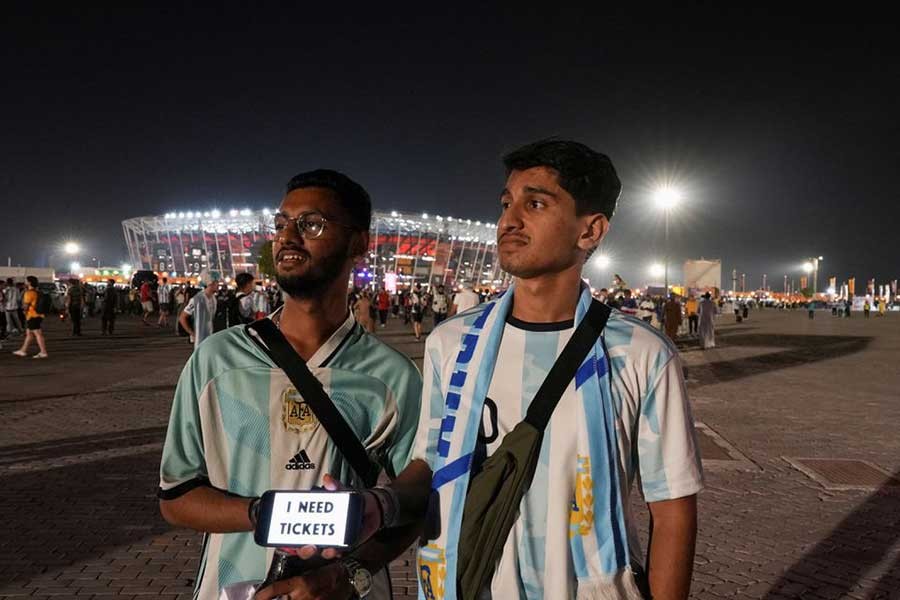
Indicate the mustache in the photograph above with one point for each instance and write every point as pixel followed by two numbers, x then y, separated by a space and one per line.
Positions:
pixel 515 236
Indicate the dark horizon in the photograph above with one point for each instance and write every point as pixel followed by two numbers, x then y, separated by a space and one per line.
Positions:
pixel 781 137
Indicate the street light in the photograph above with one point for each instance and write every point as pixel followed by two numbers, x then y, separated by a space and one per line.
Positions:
pixel 71 248
pixel 74 267
pixel 657 270
pixel 811 266
pixel 602 261
pixel 666 198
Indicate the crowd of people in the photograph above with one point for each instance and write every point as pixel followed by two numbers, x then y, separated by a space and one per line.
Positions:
pixel 413 306
pixel 693 316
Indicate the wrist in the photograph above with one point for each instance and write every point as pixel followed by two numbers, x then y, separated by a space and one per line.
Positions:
pixel 253 511
pixel 388 504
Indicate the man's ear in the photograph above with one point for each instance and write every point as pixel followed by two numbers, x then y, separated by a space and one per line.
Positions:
pixel 594 229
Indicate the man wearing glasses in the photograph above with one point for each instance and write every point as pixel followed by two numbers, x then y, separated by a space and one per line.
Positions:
pixel 239 428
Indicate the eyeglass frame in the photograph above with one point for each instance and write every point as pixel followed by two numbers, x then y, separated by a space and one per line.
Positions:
pixel 302 219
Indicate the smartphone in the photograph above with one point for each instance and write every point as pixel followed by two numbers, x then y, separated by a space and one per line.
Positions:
pixel 321 518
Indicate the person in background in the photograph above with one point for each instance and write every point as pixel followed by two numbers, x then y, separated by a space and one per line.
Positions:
pixel 363 311
pixel 690 307
pixel 867 308
pixel 882 307
pixel 241 309
pixel 672 317
pixel 164 295
pixel 202 307
pixel 33 320
pixel 440 304
pixel 416 309
pixel 180 298
pixel 707 329
pixel 146 298
pixel 110 302
pixel 75 305
pixel 11 305
pixel 384 305
pixel 465 299
pixel 261 303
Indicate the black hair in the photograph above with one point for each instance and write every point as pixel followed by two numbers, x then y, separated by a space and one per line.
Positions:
pixel 588 175
pixel 353 197
pixel 32 280
pixel 243 279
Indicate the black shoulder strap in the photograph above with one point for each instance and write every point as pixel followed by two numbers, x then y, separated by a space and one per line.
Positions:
pixel 567 365
pixel 283 354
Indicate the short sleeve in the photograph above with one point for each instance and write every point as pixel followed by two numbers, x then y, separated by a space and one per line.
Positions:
pixel 408 399
pixel 183 465
pixel 668 455
pixel 189 309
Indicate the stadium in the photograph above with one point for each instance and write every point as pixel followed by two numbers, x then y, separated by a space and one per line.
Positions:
pixel 404 248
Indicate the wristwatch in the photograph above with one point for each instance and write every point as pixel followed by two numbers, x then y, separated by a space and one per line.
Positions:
pixel 360 578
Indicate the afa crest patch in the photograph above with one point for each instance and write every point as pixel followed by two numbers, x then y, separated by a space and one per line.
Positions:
pixel 296 414
pixel 581 514
pixel 432 571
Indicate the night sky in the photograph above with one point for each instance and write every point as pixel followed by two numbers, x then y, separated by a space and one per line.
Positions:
pixel 783 136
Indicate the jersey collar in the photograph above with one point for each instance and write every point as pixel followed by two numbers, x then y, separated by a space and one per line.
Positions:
pixel 332 345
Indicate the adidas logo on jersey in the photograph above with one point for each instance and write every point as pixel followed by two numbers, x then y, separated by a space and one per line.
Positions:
pixel 300 462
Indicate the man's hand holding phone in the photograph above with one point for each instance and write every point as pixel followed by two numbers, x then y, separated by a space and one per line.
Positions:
pixel 335 518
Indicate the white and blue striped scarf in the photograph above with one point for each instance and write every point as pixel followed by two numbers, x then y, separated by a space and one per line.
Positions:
pixel 598 537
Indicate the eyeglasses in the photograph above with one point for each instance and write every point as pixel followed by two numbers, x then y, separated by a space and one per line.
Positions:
pixel 310 225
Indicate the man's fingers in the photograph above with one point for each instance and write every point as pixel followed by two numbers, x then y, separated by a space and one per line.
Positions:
pixel 332 484
pixel 330 553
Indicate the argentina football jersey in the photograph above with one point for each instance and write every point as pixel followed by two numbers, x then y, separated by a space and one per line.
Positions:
pixel 238 424
pixel 574 529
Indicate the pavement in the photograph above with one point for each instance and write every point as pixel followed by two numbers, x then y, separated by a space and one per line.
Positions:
pixel 82 433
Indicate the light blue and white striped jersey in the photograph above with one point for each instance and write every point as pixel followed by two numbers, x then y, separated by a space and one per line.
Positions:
pixel 238 424
pixel 654 432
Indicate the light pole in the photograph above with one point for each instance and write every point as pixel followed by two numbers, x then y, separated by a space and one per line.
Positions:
pixel 666 198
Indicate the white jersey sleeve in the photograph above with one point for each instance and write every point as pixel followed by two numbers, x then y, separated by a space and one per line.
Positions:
pixel 668 456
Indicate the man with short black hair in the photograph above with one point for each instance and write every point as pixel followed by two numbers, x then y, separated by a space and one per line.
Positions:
pixel 624 418
pixel 242 310
pixel 239 427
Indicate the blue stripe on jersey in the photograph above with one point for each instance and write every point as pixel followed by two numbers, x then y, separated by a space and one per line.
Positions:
pixel 451 471
pixel 584 372
pixel 541 350
pixel 607 512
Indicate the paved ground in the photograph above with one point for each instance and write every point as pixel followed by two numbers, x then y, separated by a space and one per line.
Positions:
pixel 81 436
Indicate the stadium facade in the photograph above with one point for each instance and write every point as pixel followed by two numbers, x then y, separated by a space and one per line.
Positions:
pixel 404 248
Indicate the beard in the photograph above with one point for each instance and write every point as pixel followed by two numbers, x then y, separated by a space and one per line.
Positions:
pixel 319 276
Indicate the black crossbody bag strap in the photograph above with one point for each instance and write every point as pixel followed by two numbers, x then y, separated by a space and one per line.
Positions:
pixel 566 366
pixel 561 373
pixel 276 346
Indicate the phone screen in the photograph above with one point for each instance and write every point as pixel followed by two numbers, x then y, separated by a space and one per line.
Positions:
pixel 308 518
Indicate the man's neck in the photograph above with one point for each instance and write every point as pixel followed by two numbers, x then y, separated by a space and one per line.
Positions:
pixel 548 298
pixel 307 323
